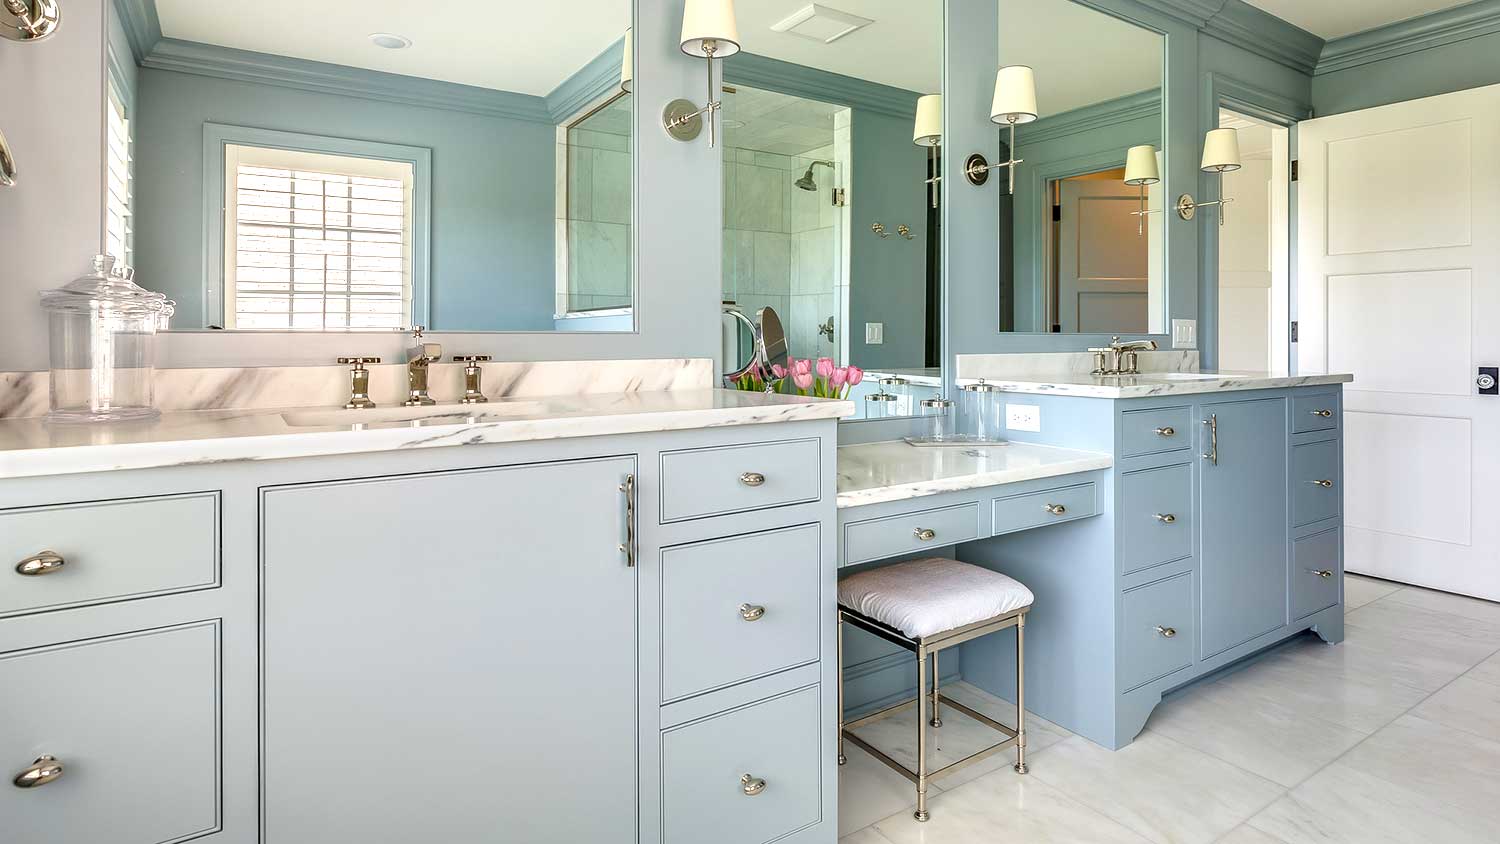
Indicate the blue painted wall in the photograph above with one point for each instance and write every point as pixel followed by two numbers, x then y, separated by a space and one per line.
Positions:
pixel 1439 70
pixel 493 264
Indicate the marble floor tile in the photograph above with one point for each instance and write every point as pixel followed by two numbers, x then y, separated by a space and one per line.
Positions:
pixel 1437 762
pixel 1282 743
pixel 1390 653
pixel 869 791
pixel 1443 618
pixel 1445 602
pixel 1247 834
pixel 1361 701
pixel 1003 807
pixel 1359 591
pixel 1343 804
pixel 1465 704
pixel 1487 671
pixel 1165 791
pixel 868 835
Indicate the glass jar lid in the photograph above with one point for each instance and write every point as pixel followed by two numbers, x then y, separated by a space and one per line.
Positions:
pixel 935 403
pixel 104 289
pixel 981 387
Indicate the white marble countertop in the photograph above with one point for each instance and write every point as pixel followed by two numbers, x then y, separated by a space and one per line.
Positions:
pixel 32 448
pixel 874 473
pixel 1153 383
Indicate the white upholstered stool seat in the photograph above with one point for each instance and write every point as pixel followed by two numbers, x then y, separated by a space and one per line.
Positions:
pixel 924 597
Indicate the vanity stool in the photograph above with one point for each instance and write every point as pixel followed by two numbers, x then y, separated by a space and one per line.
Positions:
pixel 925 606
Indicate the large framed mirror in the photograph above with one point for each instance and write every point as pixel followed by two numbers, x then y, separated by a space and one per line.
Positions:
pixel 348 165
pixel 1078 255
pixel 831 213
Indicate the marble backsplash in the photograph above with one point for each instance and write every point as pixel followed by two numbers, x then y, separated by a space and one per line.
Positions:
pixel 24 394
pixel 1006 366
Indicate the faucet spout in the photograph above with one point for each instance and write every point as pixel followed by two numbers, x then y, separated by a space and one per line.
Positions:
pixel 1121 358
pixel 418 358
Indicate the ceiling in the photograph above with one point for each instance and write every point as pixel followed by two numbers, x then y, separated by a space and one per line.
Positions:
pixel 779 123
pixel 1331 19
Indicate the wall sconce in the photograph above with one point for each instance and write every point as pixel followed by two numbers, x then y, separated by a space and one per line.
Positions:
pixel 709 32
pixel 1014 103
pixel 1141 170
pixel 627 62
pixel 28 20
pixel 1221 154
pixel 929 133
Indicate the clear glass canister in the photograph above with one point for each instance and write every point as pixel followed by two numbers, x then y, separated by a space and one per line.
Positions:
pixel 937 420
pixel 900 389
pixel 980 411
pixel 102 342
pixel 879 405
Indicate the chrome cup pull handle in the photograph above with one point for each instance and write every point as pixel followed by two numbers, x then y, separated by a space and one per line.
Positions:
pixel 925 534
pixel 1326 484
pixel 1166 518
pixel 1166 632
pixel 752 612
pixel 752 785
pixel 44 770
pixel 1056 509
pixel 752 479
pixel 42 563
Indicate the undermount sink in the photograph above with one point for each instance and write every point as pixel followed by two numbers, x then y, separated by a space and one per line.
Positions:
pixel 448 414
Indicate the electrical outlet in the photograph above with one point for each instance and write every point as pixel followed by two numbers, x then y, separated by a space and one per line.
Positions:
pixel 1184 333
pixel 1023 417
pixel 874 333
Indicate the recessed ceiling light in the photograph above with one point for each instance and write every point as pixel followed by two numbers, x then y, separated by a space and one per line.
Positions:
pixel 390 41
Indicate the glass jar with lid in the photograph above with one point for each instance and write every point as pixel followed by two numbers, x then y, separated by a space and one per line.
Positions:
pixel 879 405
pixel 102 345
pixel 900 390
pixel 981 409
pixel 937 421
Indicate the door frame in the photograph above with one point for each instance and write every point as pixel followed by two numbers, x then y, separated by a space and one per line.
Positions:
pixel 1222 90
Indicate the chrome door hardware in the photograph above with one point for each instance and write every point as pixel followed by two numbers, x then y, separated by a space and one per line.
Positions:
pixel 473 392
pixel 1166 518
pixel 359 379
pixel 752 612
pixel 44 770
pixel 1056 509
pixel 7 164
pixel 28 20
pixel 1326 484
pixel 1323 573
pixel 1166 632
pixel 1166 432
pixel 1488 381
pixel 1323 414
pixel 628 547
pixel 753 479
pixel 925 534
pixel 1213 439
pixel 752 785
pixel 37 565
pixel 879 229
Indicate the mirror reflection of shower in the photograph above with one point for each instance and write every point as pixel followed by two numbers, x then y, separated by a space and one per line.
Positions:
pixel 807 182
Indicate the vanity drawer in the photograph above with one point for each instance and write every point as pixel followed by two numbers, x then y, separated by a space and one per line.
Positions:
pixel 735 609
pixel 1308 412
pixel 1312 557
pixel 1034 509
pixel 1156 517
pixel 1158 630
pixel 714 481
pixel 132 719
pixel 109 551
pixel 1156 431
pixel 909 532
pixel 777 742
pixel 1315 482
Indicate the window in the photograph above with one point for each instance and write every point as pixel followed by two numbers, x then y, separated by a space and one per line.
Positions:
pixel 117 223
pixel 316 242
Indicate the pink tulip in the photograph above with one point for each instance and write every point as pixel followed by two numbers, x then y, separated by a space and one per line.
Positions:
pixel 778 370
pixel 803 380
pixel 801 367
pixel 838 377
pixel 825 367
pixel 856 375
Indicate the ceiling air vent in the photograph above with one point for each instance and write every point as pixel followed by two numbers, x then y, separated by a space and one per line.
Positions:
pixel 817 22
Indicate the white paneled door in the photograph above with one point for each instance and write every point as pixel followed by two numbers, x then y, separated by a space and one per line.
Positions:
pixel 1399 259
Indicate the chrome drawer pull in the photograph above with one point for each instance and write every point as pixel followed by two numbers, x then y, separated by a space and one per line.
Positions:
pixel 630 546
pixel 752 785
pixel 752 612
pixel 752 479
pixel 1166 518
pixel 1323 413
pixel 1167 632
pixel 1166 432
pixel 1213 438
pixel 925 534
pixel 1056 509
pixel 1323 573
pixel 1323 484
pixel 36 565
pixel 42 771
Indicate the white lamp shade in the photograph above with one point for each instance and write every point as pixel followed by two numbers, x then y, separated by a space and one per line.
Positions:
pixel 1015 95
pixel 627 62
pixel 706 22
pixel 1140 166
pixel 929 128
pixel 1221 150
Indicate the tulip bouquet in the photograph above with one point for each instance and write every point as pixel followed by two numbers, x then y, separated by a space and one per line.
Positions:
pixel 820 379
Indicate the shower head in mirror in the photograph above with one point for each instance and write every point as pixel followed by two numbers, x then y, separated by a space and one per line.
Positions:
pixel 807 182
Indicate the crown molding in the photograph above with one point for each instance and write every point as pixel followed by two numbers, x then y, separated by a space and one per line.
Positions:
pixel 1266 35
pixel 1194 12
pixel 600 77
pixel 1410 36
pixel 799 81
pixel 142 26
pixel 1090 117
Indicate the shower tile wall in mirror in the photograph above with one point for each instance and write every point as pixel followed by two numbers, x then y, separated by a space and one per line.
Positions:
pixel 1074 256
pixel 829 217
pixel 347 165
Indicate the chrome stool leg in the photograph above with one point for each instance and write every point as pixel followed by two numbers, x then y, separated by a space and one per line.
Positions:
pixel 842 758
pixel 1021 694
pixel 937 716
pixel 921 813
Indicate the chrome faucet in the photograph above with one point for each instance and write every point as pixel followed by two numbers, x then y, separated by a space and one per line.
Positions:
pixel 1121 358
pixel 418 357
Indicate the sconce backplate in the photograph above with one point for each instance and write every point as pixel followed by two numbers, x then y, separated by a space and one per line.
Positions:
pixel 688 129
pixel 1186 206
pixel 977 169
pixel 38 20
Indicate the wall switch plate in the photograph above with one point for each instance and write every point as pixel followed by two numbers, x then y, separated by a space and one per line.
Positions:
pixel 1184 333
pixel 1023 417
pixel 874 333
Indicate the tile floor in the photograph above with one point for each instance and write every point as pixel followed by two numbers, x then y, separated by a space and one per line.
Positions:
pixel 1393 736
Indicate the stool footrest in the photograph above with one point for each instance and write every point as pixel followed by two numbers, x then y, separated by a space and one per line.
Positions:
pixel 978 756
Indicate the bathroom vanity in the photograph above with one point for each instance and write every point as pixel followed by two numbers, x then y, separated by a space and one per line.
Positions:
pixel 604 618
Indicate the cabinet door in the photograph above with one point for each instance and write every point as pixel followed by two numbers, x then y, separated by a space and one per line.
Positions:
pixel 450 657
pixel 1243 522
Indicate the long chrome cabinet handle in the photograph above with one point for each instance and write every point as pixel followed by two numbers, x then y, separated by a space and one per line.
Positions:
pixel 752 785
pixel 44 770
pixel 629 545
pixel 45 562
pixel 1213 438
